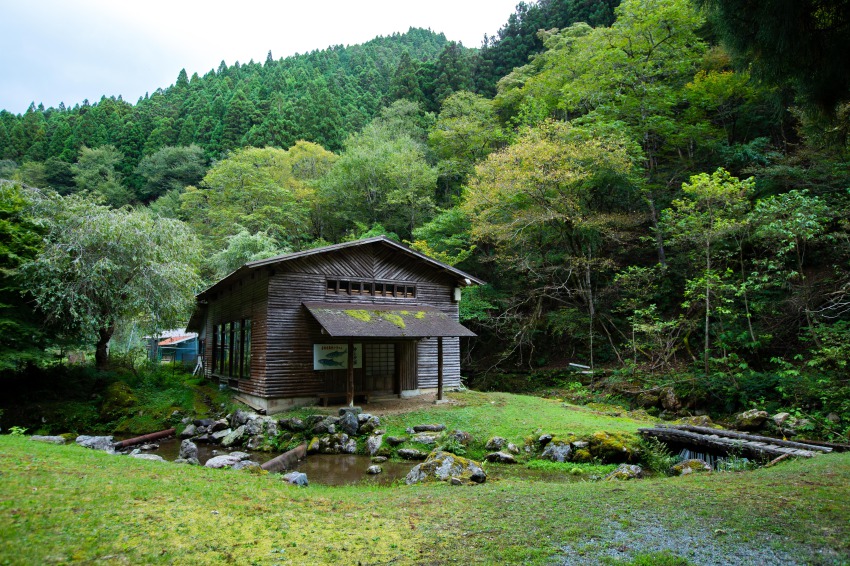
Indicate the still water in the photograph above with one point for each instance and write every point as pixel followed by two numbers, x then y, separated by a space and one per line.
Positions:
pixel 343 469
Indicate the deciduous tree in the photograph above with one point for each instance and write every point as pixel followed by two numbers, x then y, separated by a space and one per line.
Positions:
pixel 99 265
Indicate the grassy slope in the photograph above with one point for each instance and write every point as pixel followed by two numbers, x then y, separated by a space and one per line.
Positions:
pixel 63 504
pixel 513 417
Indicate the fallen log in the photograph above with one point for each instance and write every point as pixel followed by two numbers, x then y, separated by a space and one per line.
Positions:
pixel 777 460
pixel 753 437
pixel 144 438
pixel 836 446
pixel 724 444
pixel 286 460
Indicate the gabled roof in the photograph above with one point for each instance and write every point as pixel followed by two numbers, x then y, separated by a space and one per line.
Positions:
pixel 461 276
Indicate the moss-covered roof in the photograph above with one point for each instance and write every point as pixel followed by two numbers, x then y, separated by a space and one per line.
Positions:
pixel 385 321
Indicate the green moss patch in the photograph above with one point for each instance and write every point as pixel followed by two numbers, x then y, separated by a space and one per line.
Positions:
pixel 359 314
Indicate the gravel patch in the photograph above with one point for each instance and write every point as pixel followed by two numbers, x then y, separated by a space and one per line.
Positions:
pixel 695 543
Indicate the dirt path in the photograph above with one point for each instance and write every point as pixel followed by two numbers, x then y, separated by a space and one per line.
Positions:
pixel 395 406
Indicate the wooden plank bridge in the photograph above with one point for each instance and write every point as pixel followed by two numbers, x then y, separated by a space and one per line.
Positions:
pixel 727 441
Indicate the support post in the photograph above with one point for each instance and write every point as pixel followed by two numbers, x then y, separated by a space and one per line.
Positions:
pixel 440 368
pixel 350 385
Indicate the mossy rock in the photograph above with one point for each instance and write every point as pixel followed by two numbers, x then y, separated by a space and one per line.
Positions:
pixel 582 456
pixel 691 466
pixel 117 400
pixel 447 467
pixel 613 447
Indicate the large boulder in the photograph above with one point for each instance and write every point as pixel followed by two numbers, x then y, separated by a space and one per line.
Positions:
pixel 448 467
pixel 235 437
pixel 349 424
pixel 424 438
pixel 647 399
pixel 227 460
pixel 557 450
pixel 373 444
pixel 613 447
pixel 326 426
pixel 296 478
pixel 369 425
pixel 220 435
pixel 374 469
pixel 151 457
pixel 495 443
pixel 699 420
pixel 294 424
pixel 691 466
pixel 429 428
pixel 314 445
pixel 189 431
pixel 105 443
pixel 395 440
pixel 789 425
pixel 750 420
pixel 188 450
pixel 461 436
pixel 625 472
pixel 339 443
pixel 48 439
pixel 669 400
pixel 350 410
pixel 501 457
pixel 220 424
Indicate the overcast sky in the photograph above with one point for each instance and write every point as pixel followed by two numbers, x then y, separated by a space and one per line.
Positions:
pixel 54 51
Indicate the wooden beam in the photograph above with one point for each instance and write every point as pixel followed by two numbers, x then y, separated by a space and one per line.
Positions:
pixel 350 385
pixel 440 368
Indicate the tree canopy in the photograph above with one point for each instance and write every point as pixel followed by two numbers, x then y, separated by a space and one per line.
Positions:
pixel 100 265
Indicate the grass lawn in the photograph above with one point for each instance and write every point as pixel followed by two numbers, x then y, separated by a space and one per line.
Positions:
pixel 66 504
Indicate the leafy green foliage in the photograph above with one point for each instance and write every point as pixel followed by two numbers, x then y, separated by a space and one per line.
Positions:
pixel 381 177
pixel 796 42
pixel 99 265
pixel 656 456
pixel 22 337
pixel 170 168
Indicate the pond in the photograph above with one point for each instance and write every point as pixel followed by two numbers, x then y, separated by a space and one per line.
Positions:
pixel 350 469
pixel 343 469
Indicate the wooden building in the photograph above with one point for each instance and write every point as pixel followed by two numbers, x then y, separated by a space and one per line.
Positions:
pixel 364 318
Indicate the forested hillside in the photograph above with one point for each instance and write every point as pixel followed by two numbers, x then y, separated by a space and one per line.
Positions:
pixel 638 201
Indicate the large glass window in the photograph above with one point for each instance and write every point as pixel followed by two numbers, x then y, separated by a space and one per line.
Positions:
pixel 232 349
pixel 215 348
pixel 225 349
pixel 246 348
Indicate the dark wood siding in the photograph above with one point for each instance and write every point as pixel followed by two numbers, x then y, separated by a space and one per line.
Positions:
pixel 294 331
pixel 245 298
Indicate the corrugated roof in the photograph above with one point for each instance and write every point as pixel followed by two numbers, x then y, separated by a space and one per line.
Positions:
pixel 176 340
pixel 385 321
pixel 457 273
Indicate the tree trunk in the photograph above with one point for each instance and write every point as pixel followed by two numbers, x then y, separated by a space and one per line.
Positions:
pixel 101 353
pixel 659 240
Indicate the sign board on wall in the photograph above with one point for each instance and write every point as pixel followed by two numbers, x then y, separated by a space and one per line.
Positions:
pixel 335 356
